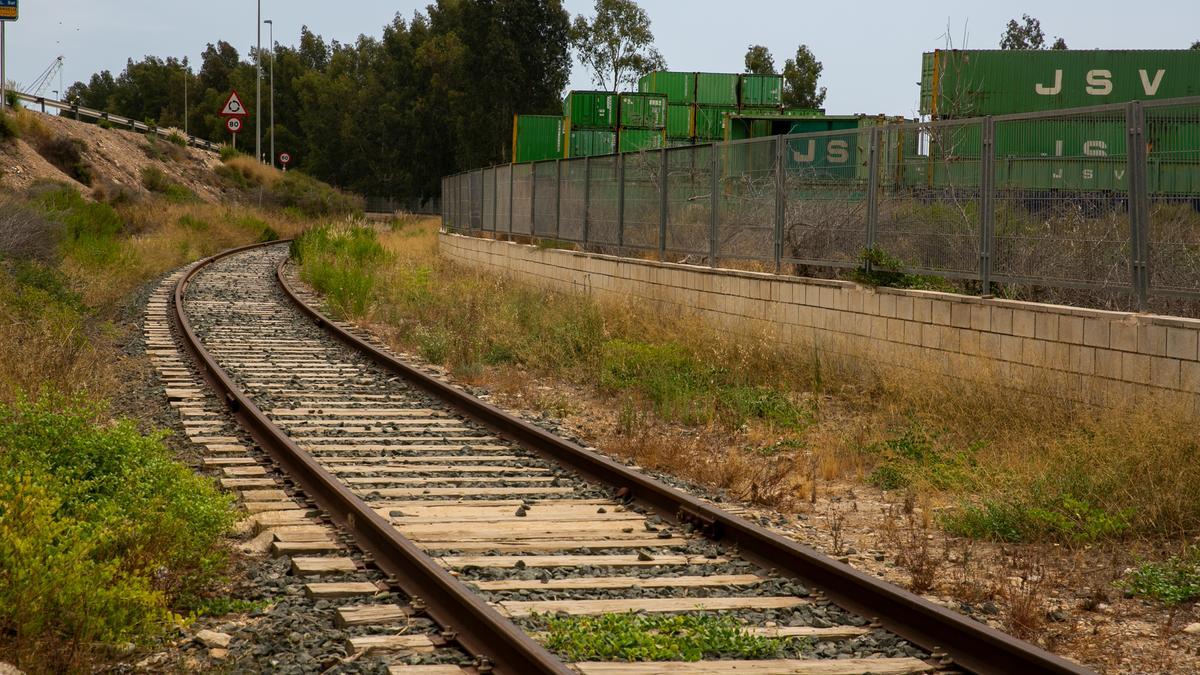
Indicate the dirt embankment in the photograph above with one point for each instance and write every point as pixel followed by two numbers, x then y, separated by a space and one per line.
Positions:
pixel 114 158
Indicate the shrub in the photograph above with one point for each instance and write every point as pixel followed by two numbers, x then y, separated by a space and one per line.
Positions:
pixel 178 139
pixel 102 533
pixel 162 151
pixel 157 181
pixel 66 154
pixel 8 127
pixel 113 193
pixel 25 233
pixel 340 261
pixel 92 228
pixel 1171 582
pixel 228 152
pixel 312 197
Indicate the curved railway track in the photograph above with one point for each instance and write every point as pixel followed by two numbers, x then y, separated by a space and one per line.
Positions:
pixel 489 524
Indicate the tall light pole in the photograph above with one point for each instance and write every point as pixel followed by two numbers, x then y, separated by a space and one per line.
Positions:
pixel 258 88
pixel 185 101
pixel 271 23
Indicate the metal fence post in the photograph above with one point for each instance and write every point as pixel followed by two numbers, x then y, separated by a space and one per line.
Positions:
pixel 512 183
pixel 1139 216
pixel 663 204
pixel 716 206
pixel 532 201
pixel 780 201
pixel 621 201
pixel 872 190
pixel 558 199
pixel 587 197
pixel 987 205
pixel 495 200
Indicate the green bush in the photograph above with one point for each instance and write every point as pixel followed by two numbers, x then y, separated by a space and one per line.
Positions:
pixel 101 532
pixel 879 268
pixel 8 127
pixel 1037 517
pixel 177 138
pixel 263 231
pixel 232 176
pixel 157 181
pixel 228 152
pixel 66 154
pixel 1171 582
pixel 916 458
pixel 312 197
pixel 92 228
pixel 340 262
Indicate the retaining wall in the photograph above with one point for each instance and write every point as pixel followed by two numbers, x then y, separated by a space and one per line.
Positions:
pixel 1104 358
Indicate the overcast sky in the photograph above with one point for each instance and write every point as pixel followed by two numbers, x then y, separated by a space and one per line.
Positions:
pixel 871 51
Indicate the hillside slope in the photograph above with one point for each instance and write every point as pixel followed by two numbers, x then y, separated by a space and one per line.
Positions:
pixel 114 157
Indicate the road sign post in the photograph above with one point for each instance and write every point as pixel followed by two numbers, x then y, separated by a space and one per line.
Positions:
pixel 233 111
pixel 9 11
pixel 285 159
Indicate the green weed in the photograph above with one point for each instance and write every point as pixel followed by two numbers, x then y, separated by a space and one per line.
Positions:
pixel 1173 581
pixel 341 262
pixel 1022 517
pixel 879 268
pixel 644 637
pixel 102 532
pixel 915 458
pixel 92 228
pixel 155 180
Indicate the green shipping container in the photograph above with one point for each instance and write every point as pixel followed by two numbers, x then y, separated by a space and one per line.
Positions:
pixel 710 121
pixel 591 142
pixel 680 142
pixel 636 140
pixel 643 111
pixel 971 83
pixel 591 110
pixel 803 112
pixel 717 89
pixel 761 90
pixel 680 88
pixel 681 121
pixel 537 137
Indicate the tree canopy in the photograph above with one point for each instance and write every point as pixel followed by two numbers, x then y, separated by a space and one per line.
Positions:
pixel 759 61
pixel 1027 34
pixel 617 44
pixel 387 115
pixel 800 77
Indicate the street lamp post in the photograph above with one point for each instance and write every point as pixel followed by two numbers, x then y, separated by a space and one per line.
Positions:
pixel 271 23
pixel 258 88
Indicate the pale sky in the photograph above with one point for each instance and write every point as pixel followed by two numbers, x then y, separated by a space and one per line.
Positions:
pixel 871 50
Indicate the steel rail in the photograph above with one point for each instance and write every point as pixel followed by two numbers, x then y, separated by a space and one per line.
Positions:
pixel 466 618
pixel 967 643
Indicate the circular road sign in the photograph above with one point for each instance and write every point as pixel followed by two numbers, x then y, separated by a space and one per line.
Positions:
pixel 285 158
pixel 233 124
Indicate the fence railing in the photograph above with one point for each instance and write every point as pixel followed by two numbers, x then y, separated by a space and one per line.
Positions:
pixel 1100 198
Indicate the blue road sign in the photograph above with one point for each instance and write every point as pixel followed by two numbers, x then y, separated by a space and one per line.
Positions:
pixel 8 10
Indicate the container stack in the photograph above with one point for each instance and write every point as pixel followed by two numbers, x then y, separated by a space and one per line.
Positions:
pixel 643 122
pixel 537 138
pixel 700 105
pixel 591 123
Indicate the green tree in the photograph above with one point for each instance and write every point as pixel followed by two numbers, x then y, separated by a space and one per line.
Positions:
pixel 800 77
pixel 617 45
pixel 759 61
pixel 1196 44
pixel 1027 34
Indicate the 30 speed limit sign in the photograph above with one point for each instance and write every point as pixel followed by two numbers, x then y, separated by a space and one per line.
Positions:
pixel 233 124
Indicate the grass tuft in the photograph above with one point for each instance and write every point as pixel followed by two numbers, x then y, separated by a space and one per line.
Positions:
pixel 649 637
pixel 1172 582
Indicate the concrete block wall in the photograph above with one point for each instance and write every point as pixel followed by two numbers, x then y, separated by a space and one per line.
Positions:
pixel 1103 358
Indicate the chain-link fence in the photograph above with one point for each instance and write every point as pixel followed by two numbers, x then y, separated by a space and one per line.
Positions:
pixel 1095 205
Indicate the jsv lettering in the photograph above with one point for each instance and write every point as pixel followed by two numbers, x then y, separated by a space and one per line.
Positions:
pixel 836 152
pixel 1099 82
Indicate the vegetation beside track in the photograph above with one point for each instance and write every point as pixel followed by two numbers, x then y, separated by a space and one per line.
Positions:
pixel 106 541
pixel 650 637
pixel 774 425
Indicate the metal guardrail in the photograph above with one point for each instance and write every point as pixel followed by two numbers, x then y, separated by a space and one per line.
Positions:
pixel 1104 198
pixel 115 120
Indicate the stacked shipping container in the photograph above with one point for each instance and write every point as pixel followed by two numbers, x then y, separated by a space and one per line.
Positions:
pixel 592 119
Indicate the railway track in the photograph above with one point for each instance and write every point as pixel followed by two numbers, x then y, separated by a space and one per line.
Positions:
pixel 490 526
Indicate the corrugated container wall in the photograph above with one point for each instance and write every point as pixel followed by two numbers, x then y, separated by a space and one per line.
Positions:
pixel 717 89
pixel 591 110
pixel 591 142
pixel 636 140
pixel 997 82
pixel 643 111
pixel 761 90
pixel 681 121
pixel 537 137
pixel 710 123
pixel 678 87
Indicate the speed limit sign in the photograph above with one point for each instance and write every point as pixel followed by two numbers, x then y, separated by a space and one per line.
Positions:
pixel 233 124
pixel 285 158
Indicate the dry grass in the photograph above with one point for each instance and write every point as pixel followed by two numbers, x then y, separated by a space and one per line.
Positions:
pixel 1003 464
